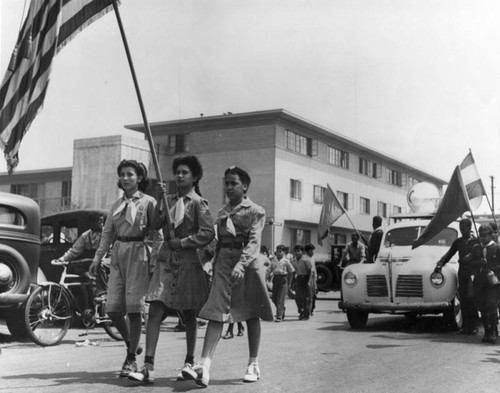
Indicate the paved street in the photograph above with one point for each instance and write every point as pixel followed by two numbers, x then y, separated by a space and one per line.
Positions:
pixel 319 355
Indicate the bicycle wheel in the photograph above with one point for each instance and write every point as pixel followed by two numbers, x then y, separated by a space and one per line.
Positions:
pixel 107 324
pixel 47 314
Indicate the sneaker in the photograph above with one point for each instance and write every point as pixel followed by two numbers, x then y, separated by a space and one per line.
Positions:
pixel 228 335
pixel 277 320
pixel 199 373
pixel 187 372
pixel 252 374
pixel 241 332
pixel 145 375
pixel 129 366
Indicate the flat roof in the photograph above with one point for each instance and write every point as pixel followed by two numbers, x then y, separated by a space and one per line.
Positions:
pixel 230 118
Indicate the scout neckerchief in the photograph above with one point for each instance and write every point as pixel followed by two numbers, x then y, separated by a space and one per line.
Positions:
pixel 128 204
pixel 227 215
pixel 178 210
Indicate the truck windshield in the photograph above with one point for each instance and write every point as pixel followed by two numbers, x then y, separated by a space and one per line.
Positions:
pixel 406 237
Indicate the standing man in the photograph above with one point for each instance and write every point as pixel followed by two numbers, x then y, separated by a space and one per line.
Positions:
pixel 303 275
pixel 354 252
pixel 280 271
pixel 463 245
pixel 375 239
pixel 309 249
pixel 485 261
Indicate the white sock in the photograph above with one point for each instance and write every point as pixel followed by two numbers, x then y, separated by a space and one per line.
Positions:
pixel 253 360
pixel 207 362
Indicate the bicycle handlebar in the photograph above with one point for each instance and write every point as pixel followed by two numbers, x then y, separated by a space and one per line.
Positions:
pixel 58 262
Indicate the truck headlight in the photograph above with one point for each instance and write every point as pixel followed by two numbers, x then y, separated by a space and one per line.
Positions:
pixel 437 279
pixel 350 279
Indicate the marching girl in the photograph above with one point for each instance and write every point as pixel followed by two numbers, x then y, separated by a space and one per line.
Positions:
pixel 179 281
pixel 238 292
pixel 128 224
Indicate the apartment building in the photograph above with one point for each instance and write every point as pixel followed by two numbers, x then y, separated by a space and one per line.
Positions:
pixel 291 161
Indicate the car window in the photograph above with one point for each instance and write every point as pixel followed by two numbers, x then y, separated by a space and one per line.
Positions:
pixel 9 216
pixel 406 237
pixel 401 236
pixel 68 234
pixel 47 234
pixel 443 238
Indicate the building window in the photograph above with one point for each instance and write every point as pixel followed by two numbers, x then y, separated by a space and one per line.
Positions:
pixel 397 209
pixel 319 194
pixel 412 181
pixel 376 170
pixel 365 167
pixel 338 157
pixel 66 194
pixel 340 238
pixel 27 190
pixel 395 178
pixel 295 189
pixel 300 236
pixel 296 142
pixel 176 143
pixel 300 144
pixel 364 206
pixel 345 199
pixel 382 209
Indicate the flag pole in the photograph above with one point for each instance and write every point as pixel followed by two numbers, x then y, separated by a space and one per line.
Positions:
pixel 144 118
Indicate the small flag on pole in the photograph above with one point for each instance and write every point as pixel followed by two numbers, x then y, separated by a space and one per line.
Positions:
pixel 49 25
pixel 331 211
pixel 472 181
pixel 455 202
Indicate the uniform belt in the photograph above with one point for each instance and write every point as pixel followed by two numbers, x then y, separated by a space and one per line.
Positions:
pixel 130 239
pixel 233 244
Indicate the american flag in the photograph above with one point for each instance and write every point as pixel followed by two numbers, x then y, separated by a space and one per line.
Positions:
pixel 49 25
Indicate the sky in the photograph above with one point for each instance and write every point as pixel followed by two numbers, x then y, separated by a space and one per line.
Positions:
pixel 418 80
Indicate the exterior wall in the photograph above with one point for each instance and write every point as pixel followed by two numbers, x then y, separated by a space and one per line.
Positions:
pixel 94 168
pixel 49 183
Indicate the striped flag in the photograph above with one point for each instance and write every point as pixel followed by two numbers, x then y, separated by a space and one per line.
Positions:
pixel 331 211
pixel 49 25
pixel 472 181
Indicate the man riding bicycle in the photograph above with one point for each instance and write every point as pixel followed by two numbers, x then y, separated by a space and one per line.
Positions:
pixel 84 249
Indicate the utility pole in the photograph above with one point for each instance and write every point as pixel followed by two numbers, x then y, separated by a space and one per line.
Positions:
pixel 492 194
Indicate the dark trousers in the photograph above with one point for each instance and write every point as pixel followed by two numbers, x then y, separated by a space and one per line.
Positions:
pixel 303 296
pixel 486 298
pixel 467 304
pixel 279 294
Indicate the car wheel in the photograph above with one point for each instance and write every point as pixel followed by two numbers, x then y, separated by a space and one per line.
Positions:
pixel 357 318
pixel 453 315
pixel 15 273
pixel 324 278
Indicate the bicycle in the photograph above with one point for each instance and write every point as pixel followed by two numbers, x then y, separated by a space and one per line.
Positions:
pixel 51 307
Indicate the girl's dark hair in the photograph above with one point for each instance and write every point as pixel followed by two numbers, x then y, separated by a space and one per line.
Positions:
pixel 243 175
pixel 140 170
pixel 194 166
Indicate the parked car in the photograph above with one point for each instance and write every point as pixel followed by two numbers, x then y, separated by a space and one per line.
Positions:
pixel 19 256
pixel 329 270
pixel 59 232
pixel 402 280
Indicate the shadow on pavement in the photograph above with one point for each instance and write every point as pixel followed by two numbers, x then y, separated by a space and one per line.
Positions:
pixel 105 378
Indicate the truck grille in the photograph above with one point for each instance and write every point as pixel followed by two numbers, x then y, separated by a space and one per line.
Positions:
pixel 409 285
pixel 376 286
